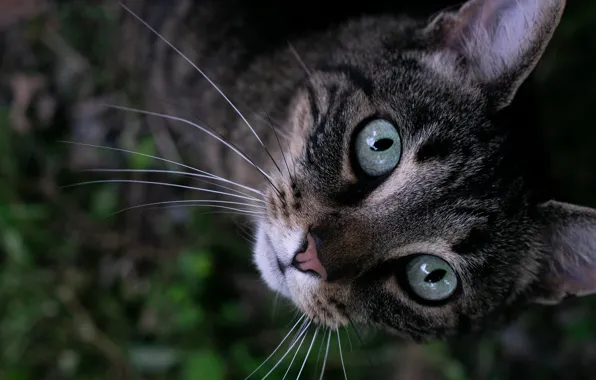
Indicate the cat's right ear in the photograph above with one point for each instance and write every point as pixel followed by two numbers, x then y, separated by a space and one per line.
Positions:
pixel 570 245
pixel 499 42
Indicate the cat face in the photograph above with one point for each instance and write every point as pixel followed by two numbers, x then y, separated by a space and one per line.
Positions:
pixel 407 202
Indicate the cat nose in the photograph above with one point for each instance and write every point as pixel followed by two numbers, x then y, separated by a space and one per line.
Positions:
pixel 308 259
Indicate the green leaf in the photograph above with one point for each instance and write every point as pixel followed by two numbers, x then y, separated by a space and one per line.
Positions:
pixel 105 201
pixel 242 356
pixel 231 313
pixel 15 246
pixel 147 147
pixel 203 365
pixel 581 331
pixel 178 294
pixel 195 265
pixel 189 317
pixel 15 374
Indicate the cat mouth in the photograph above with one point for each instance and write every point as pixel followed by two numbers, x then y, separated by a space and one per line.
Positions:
pixel 276 264
pixel 280 266
pixel 273 267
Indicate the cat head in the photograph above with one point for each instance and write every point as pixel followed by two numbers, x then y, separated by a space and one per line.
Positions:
pixel 409 202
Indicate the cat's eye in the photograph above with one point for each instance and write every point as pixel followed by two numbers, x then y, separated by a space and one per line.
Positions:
pixel 431 278
pixel 378 148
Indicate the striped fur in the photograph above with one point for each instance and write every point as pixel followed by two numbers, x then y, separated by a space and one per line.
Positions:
pixel 467 188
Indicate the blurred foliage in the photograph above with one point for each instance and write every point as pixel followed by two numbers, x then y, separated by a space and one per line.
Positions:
pixel 170 293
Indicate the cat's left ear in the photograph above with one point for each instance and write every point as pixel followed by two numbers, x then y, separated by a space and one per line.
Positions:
pixel 499 42
pixel 571 245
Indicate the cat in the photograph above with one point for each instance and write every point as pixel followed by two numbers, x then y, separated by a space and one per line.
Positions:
pixel 378 161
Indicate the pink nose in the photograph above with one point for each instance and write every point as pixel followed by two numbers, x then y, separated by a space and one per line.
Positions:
pixel 309 259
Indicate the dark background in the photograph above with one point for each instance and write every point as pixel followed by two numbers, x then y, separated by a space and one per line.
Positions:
pixel 171 293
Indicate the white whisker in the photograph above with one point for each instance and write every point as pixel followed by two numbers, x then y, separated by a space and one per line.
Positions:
pixel 281 149
pixel 303 332
pixel 294 357
pixel 185 121
pixel 237 211
pixel 341 356
pixel 278 346
pixel 278 130
pixel 349 339
pixel 319 353
pixel 299 59
pixel 196 201
pixel 183 56
pixel 218 185
pixel 295 317
pixel 228 213
pixel 275 302
pixel 314 337
pixel 144 155
pixel 159 184
pixel 246 233
pixel 326 355
pixel 175 172
pixel 297 336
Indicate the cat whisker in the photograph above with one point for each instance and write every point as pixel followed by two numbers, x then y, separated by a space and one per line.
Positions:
pixel 186 202
pixel 275 302
pixel 326 354
pixel 349 339
pixel 256 114
pixel 319 353
pixel 266 118
pixel 235 191
pixel 212 134
pixel 314 337
pixel 160 184
pixel 281 149
pixel 360 340
pixel 217 133
pixel 236 211
pixel 227 213
pixel 296 315
pixel 245 233
pixel 299 59
pixel 218 185
pixel 211 176
pixel 341 355
pixel 149 156
pixel 301 319
pixel 186 121
pixel 297 336
pixel 249 240
pixel 205 76
pixel 302 332
pixel 294 357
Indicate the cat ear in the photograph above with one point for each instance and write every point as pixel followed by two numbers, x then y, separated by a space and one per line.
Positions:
pixel 571 244
pixel 500 41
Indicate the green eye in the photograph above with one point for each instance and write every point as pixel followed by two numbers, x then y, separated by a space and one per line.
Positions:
pixel 431 278
pixel 378 148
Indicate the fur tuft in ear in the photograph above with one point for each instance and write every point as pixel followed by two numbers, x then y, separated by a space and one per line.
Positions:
pixel 571 243
pixel 500 41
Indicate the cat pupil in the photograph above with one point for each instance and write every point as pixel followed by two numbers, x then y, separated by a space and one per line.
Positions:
pixel 381 145
pixel 435 276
